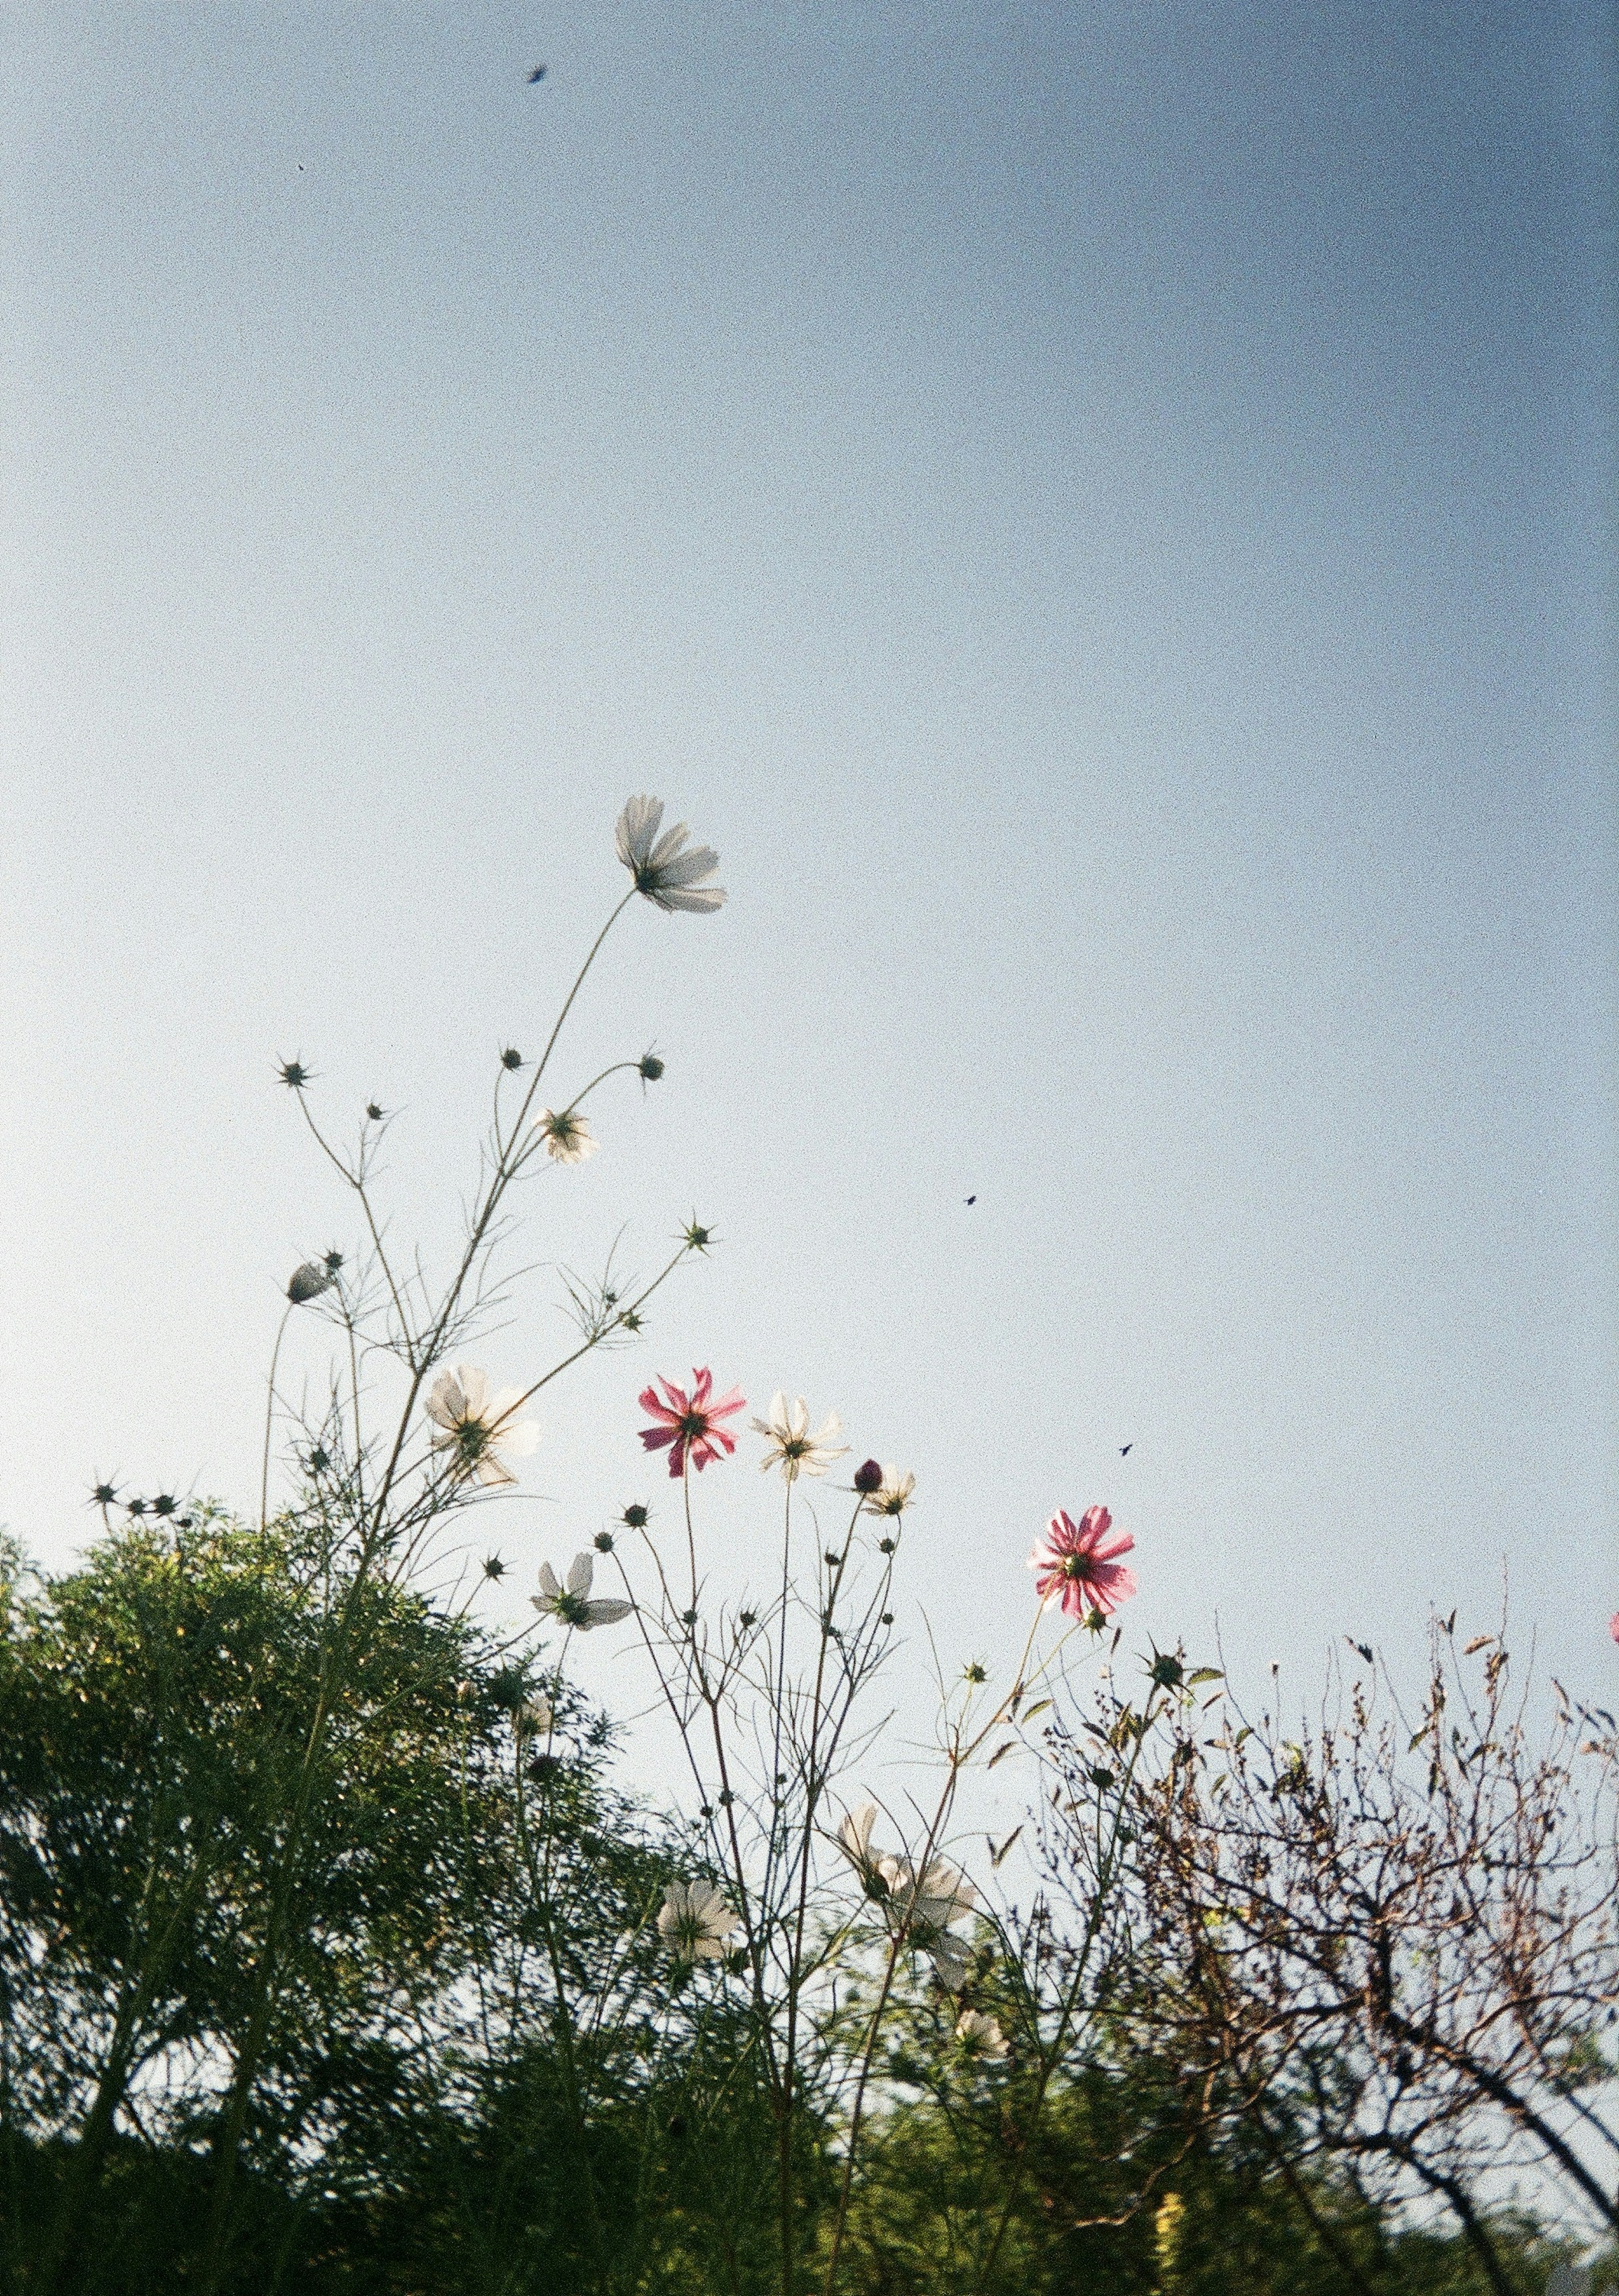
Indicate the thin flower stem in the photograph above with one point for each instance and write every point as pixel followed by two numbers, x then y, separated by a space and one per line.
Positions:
pixel 270 1422
pixel 356 1180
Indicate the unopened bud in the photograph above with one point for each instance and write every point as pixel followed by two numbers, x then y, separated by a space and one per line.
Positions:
pixel 602 1542
pixel 510 1058
pixel 868 1477
pixel 650 1068
pixel 309 1281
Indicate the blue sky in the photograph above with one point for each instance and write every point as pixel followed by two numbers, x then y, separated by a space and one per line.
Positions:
pixel 1101 515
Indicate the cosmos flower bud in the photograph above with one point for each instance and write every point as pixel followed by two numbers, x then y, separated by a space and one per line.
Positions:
pixel 869 1477
pixel 309 1281
pixel 510 1058
pixel 602 1542
pixel 650 1067
pixel 636 1517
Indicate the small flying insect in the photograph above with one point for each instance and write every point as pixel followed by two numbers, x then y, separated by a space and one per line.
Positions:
pixel 536 75
pixel 972 1200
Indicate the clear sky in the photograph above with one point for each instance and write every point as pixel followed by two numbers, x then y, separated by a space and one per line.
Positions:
pixel 1099 512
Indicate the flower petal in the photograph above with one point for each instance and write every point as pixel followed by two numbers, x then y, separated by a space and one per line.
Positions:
pixel 606 1611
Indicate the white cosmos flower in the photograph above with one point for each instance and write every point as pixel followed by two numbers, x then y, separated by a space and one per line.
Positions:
pixel 568 1139
pixel 572 1604
pixel 893 1494
pixel 978 2035
pixel 478 1426
pixel 792 1448
pixel 662 871
pixel 925 1905
pixel 695 1922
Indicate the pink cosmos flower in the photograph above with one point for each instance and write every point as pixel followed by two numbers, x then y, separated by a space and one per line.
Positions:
pixel 1613 1626
pixel 1076 1564
pixel 690 1423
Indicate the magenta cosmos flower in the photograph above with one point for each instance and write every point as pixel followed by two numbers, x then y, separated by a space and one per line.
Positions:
pixel 690 1423
pixel 1076 1564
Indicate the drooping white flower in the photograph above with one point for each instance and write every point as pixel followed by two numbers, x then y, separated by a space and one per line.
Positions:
pixel 792 1448
pixel 572 1604
pixel 308 1282
pixel 662 871
pixel 536 1717
pixel 924 1906
pixel 892 1496
pixel 978 2035
pixel 567 1136
pixel 478 1426
pixel 695 1922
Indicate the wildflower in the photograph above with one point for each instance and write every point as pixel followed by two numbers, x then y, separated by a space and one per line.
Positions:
pixel 493 1567
pixel 308 1283
pixel 602 1542
pixel 477 1426
pixel 978 2035
pixel 695 1236
pixel 294 1074
pixel 103 1494
pixel 662 871
pixel 792 1448
pixel 1613 1626
pixel 165 1503
pixel 137 1507
pixel 973 1672
pixel 1077 1571
pixel 868 1477
pixel 510 1058
pixel 649 1068
pixel 690 1423
pixel 892 1495
pixel 695 1922
pixel 636 1516
pixel 925 1904
pixel 572 1604
pixel 568 1139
